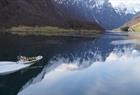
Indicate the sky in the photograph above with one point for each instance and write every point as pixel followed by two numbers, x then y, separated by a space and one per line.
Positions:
pixel 129 3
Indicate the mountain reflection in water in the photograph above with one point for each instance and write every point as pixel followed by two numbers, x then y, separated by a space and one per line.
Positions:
pixel 108 69
pixel 117 75
pixel 72 66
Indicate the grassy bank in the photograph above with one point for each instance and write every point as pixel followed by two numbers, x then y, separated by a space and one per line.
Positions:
pixel 136 27
pixel 52 31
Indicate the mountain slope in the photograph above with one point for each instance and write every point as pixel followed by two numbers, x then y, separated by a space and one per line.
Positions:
pixel 134 20
pixel 133 25
pixel 39 13
pixel 101 11
pixel 60 12
pixel 30 12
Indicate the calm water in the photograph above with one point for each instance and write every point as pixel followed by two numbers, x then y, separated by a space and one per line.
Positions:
pixel 108 65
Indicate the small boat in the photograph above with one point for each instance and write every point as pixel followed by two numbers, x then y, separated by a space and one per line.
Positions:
pixel 8 67
pixel 28 60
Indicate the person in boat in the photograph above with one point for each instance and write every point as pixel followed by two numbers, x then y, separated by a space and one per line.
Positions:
pixel 23 58
pixel 26 60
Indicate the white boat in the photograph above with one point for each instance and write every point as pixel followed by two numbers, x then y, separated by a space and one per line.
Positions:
pixel 8 67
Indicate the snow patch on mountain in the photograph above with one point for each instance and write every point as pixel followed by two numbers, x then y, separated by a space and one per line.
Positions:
pixel 131 6
pixel 127 6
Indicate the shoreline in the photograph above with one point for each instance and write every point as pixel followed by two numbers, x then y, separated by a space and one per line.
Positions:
pixel 52 31
pixel 50 38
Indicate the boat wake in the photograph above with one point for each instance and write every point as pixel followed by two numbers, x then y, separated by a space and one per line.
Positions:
pixel 11 67
pixel 7 67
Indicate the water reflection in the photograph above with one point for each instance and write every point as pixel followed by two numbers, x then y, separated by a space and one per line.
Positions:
pixel 119 76
pixel 12 45
pixel 102 69
pixel 72 66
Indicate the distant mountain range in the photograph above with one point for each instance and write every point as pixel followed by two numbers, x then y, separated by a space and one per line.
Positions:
pixel 96 14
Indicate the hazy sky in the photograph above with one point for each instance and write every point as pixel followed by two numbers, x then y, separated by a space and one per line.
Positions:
pixel 129 3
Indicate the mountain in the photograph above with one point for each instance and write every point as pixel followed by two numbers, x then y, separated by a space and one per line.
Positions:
pixel 102 11
pixel 39 13
pixel 133 25
pixel 134 20
pixel 63 13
